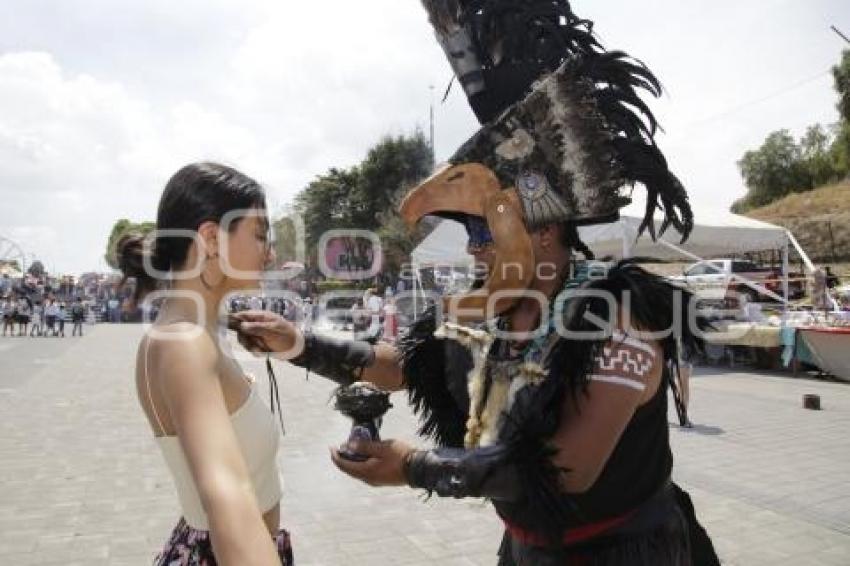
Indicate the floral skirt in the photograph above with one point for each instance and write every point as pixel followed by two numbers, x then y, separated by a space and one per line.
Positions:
pixel 193 547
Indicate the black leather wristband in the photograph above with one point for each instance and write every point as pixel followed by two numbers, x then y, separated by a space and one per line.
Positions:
pixel 341 361
pixel 453 472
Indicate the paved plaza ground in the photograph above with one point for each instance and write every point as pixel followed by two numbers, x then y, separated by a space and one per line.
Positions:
pixel 82 482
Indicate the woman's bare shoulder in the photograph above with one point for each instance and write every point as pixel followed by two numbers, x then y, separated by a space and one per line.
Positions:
pixel 179 346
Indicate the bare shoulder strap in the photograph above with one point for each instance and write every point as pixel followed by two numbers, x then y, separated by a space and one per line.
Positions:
pixel 161 431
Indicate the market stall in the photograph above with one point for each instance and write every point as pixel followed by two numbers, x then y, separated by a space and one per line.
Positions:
pixel 805 336
pixel 829 347
pixel 751 334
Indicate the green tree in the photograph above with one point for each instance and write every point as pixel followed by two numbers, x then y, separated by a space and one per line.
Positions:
pixel 774 170
pixel 365 197
pixel 780 166
pixel 389 171
pixel 841 73
pixel 119 229
pixel 327 203
pixel 840 150
pixel 396 240
pixel 390 167
pixel 817 155
pixel 286 237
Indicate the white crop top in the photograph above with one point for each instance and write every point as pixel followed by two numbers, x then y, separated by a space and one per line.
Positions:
pixel 259 439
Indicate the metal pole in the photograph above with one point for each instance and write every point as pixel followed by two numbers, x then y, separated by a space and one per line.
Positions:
pixel 417 287
pixel 831 240
pixel 841 35
pixel 785 293
pixel 628 238
pixel 803 256
pixel 433 148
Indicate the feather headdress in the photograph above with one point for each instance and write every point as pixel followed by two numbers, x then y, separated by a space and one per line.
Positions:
pixel 564 121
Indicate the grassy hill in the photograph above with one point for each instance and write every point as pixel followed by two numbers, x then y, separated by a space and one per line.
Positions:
pixel 819 219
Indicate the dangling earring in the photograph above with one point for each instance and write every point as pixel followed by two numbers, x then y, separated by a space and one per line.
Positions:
pixel 204 281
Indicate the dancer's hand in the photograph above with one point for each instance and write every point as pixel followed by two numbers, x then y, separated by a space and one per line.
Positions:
pixel 267 332
pixel 385 466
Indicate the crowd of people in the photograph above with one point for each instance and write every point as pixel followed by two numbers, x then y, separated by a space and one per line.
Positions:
pixel 24 317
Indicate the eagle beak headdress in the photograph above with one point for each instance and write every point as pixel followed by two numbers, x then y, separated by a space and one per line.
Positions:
pixel 564 133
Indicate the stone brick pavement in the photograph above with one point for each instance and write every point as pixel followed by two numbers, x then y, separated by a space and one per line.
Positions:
pixel 81 481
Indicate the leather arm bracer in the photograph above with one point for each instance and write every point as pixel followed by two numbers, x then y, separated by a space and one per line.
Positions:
pixel 453 472
pixel 341 361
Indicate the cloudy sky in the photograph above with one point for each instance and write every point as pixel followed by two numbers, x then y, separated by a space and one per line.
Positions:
pixel 101 100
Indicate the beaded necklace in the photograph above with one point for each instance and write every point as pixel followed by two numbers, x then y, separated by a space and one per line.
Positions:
pixel 494 383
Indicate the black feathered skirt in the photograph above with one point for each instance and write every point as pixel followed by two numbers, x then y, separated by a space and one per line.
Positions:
pixel 663 533
pixel 666 545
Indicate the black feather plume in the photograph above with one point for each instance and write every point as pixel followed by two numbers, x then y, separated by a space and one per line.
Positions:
pixel 518 42
pixel 617 81
pixel 435 373
pixel 644 163
pixel 445 15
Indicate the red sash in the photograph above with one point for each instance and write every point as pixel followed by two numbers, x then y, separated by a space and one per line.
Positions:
pixel 571 536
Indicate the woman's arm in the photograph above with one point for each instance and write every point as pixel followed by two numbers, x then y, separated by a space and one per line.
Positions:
pixel 186 372
pixel 344 361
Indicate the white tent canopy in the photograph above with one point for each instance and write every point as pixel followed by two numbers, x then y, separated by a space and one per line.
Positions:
pixel 445 245
pixel 715 233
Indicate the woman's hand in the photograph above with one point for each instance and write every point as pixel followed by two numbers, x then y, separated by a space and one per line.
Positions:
pixel 267 332
pixel 385 466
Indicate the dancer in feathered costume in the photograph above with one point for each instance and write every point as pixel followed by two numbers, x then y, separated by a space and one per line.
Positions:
pixel 554 404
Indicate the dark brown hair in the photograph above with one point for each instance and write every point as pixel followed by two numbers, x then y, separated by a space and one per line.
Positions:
pixel 197 193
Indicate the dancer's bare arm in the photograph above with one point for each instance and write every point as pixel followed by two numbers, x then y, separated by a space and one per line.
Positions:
pixel 623 378
pixel 386 371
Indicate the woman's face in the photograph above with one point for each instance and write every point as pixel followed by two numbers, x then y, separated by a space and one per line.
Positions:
pixel 249 250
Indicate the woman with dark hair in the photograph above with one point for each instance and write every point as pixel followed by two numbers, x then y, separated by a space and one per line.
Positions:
pixel 218 439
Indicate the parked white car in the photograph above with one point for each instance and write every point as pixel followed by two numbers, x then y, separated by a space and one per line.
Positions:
pixel 715 279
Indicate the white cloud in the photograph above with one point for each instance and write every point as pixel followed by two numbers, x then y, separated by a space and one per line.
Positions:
pixel 61 140
pixel 101 102
pixel 79 153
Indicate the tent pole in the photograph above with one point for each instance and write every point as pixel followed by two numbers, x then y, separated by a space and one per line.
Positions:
pixel 627 246
pixel 808 262
pixel 676 248
pixel 785 280
pixel 416 291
